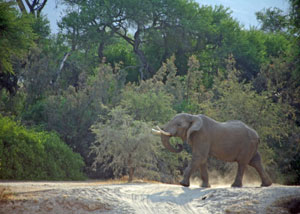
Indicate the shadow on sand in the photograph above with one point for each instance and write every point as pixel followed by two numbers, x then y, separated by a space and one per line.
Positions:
pixel 185 195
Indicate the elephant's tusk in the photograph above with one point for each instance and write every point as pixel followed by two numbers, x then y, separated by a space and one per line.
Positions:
pixel 163 132
pixel 156 132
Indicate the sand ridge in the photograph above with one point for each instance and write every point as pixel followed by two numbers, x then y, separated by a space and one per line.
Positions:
pixel 98 197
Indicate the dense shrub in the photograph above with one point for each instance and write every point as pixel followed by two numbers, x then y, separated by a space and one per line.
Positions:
pixel 126 146
pixel 27 154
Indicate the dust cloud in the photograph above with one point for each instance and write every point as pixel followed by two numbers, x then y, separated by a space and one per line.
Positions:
pixel 218 179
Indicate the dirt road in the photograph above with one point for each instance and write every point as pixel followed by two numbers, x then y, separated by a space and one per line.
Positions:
pixel 95 197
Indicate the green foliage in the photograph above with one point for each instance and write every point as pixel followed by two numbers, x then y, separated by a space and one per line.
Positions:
pixel 72 112
pixel 16 38
pixel 149 105
pixel 272 20
pixel 16 35
pixel 120 54
pixel 119 51
pixel 26 154
pixel 41 27
pixel 11 105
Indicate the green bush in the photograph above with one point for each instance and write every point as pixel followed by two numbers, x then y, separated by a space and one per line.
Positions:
pixel 27 154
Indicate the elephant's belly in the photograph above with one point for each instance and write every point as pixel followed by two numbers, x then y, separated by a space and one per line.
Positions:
pixel 227 153
pixel 223 157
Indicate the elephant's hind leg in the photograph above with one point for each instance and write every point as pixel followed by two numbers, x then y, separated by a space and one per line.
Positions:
pixel 256 163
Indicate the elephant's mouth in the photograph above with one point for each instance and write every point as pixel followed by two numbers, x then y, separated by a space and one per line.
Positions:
pixel 165 137
pixel 166 142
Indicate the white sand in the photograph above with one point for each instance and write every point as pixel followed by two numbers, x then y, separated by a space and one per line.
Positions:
pixel 93 197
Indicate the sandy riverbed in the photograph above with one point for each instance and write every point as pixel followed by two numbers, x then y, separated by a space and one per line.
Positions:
pixel 97 197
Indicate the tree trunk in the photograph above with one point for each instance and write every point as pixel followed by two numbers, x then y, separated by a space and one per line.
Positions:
pixel 141 56
pixel 100 51
pixel 58 73
pixel 136 42
pixel 131 169
pixel 131 173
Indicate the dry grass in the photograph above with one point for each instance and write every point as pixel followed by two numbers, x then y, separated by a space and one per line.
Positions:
pixel 5 193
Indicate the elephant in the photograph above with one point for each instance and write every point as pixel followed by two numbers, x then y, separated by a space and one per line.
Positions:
pixel 231 141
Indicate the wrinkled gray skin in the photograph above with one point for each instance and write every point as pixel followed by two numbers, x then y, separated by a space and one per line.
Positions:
pixel 231 141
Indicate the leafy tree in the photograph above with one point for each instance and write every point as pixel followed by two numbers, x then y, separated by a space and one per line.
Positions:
pixel 295 22
pixel 37 75
pixel 282 87
pixel 11 105
pixel 148 105
pixel 71 25
pixel 168 74
pixel 195 87
pixel 72 112
pixel 276 78
pixel 294 13
pixel 27 154
pixel 218 36
pixel 250 53
pixel 272 20
pixel 41 27
pixel 151 28
pixel 120 54
pixel 156 99
pixel 16 37
pixel 123 143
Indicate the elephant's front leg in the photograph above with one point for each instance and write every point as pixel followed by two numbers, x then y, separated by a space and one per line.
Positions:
pixel 204 175
pixel 239 176
pixel 192 167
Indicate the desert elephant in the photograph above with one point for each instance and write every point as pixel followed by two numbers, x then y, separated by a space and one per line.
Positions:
pixel 231 141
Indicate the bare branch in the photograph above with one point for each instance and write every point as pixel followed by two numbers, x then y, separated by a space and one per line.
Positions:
pixel 21 6
pixel 40 8
pixel 61 66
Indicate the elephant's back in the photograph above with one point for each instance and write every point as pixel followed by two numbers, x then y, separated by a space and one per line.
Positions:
pixel 240 141
pixel 231 130
pixel 241 131
pixel 237 124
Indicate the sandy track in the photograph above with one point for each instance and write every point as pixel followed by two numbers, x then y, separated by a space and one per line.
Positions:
pixel 93 197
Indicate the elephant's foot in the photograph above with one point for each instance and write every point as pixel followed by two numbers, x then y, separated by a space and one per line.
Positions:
pixel 184 183
pixel 266 183
pixel 236 184
pixel 205 185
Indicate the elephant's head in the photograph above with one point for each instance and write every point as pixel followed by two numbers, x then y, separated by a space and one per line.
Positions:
pixel 182 125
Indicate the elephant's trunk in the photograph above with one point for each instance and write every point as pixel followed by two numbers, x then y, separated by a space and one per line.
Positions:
pixel 166 142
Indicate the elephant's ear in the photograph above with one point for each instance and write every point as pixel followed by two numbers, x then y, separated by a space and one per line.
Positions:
pixel 196 126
